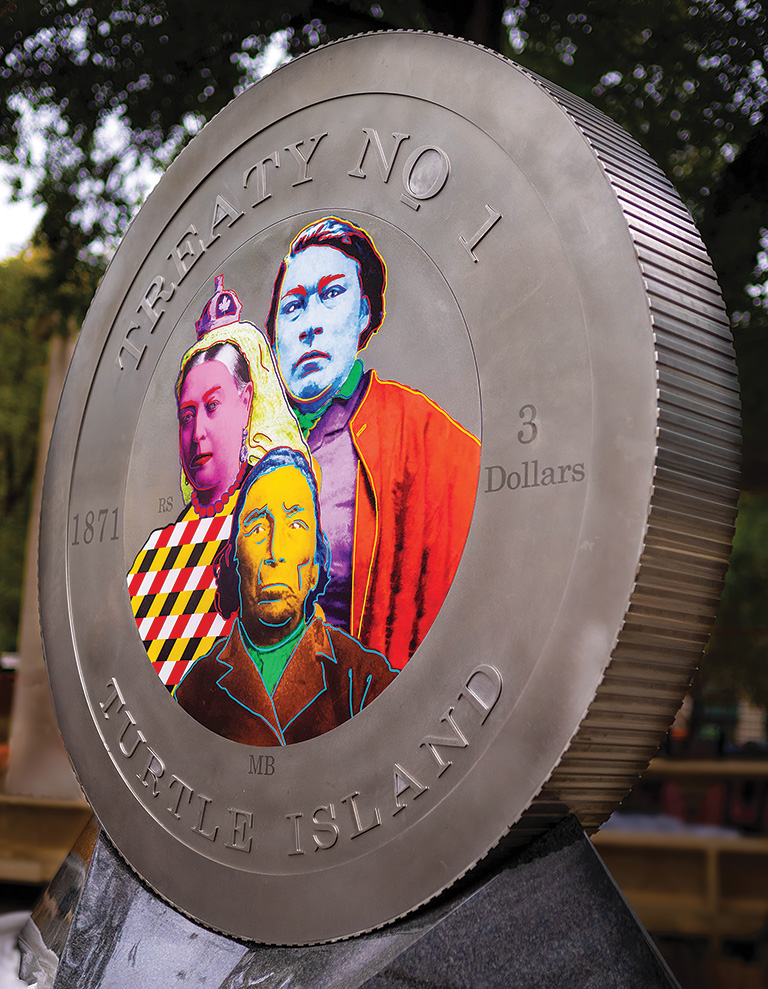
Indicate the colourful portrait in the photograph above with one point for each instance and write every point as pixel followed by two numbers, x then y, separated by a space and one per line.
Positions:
pixel 283 674
pixel 399 474
pixel 326 508
pixel 231 410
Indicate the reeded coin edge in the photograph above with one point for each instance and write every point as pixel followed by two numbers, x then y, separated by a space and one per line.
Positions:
pixel 692 505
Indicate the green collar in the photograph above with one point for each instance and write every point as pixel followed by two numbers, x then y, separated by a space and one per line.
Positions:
pixel 308 419
pixel 271 661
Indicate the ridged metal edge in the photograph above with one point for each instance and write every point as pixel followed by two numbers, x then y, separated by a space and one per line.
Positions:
pixel 693 502
pixel 653 663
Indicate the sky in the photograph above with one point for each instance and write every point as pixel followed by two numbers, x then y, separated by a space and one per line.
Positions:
pixel 17 221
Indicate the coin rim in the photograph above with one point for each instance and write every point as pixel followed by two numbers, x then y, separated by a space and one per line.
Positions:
pixel 552 803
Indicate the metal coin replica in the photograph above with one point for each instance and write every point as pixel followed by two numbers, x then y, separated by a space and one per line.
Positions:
pixel 391 489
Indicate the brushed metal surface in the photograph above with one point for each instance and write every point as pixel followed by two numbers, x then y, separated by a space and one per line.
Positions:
pixel 590 299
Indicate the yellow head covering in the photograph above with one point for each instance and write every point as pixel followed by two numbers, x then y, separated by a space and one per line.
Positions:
pixel 271 422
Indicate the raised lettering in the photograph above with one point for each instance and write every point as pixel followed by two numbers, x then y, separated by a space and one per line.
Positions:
pixel 502 480
pixel 528 415
pixel 130 348
pixel 404 781
pixel 457 742
pixel 154 768
pixel 210 835
pixel 116 695
pixel 532 475
pixel 183 789
pixel 263 766
pixel 242 821
pixel 325 827
pixel 424 174
pixel 152 297
pixel 301 161
pixel 131 723
pixel 184 253
pixel 261 176
pixel 351 801
pixel 385 167
pixel 222 211
pixel 297 849
pixel 469 245
pixel 483 689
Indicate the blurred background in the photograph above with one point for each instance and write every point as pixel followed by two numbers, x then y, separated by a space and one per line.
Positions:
pixel 97 98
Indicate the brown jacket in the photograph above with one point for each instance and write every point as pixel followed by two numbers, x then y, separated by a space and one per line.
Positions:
pixel 329 678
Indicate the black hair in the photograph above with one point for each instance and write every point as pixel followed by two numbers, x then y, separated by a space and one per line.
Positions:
pixel 353 241
pixel 229 354
pixel 227 599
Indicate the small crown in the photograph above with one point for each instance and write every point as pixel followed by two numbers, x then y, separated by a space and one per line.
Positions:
pixel 221 309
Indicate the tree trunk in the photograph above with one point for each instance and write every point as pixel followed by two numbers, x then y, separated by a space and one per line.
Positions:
pixel 38 765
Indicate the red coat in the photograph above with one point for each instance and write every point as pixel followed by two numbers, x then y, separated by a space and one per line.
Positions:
pixel 328 679
pixel 416 488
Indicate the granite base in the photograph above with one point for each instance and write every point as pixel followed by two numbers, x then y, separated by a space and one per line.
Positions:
pixel 550 916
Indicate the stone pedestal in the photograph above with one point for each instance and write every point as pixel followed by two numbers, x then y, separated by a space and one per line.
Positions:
pixel 550 916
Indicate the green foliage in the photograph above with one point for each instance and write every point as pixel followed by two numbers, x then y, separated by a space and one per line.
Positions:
pixel 120 86
pixel 687 78
pixel 23 329
pixel 734 664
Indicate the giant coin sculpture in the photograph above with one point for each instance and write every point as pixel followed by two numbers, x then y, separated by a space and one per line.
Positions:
pixel 391 490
